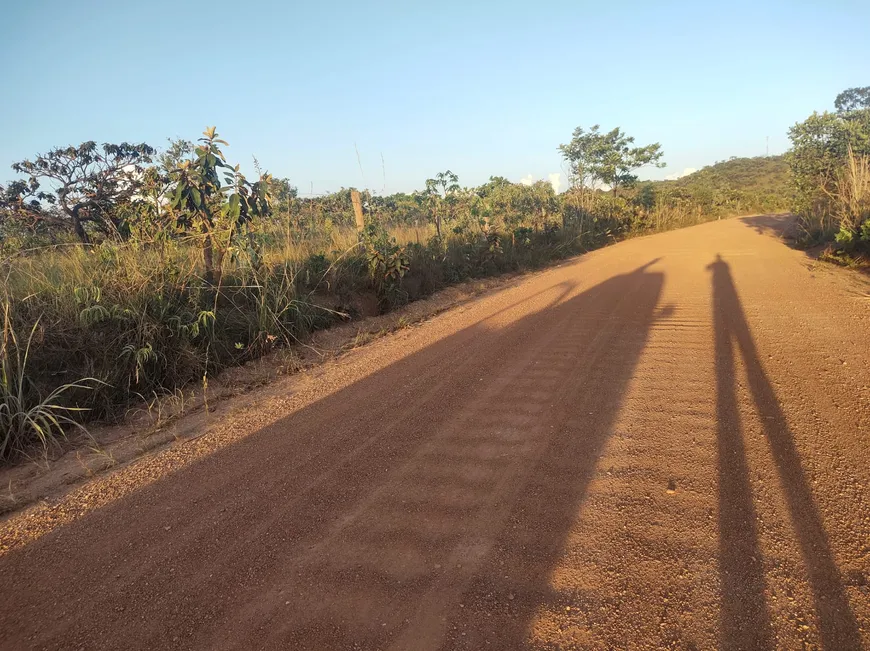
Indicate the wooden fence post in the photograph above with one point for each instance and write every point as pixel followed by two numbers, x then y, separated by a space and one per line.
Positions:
pixel 357 210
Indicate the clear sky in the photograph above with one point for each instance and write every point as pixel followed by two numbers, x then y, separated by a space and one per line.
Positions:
pixel 481 88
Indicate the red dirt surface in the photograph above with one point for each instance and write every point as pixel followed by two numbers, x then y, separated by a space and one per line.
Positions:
pixel 659 445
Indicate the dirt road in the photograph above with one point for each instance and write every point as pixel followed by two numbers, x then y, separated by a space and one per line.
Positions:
pixel 662 444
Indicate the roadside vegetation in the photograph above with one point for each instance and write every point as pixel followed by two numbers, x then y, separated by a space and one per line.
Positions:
pixel 129 272
pixel 830 173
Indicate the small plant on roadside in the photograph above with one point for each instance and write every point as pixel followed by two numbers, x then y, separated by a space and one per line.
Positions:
pixel 388 263
pixel 490 252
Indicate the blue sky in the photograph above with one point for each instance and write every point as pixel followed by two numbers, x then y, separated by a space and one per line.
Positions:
pixel 481 88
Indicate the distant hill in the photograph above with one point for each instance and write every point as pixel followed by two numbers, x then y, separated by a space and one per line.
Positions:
pixel 735 186
pixel 761 174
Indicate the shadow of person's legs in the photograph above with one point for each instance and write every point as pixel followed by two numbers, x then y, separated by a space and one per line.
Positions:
pixel 837 625
pixel 745 617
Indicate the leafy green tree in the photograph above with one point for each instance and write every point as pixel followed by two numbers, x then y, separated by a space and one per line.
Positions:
pixel 645 196
pixel 170 158
pixel 821 145
pixel 493 202
pixel 283 194
pixel 853 99
pixel 541 202
pixel 149 214
pixel 516 203
pixel 608 158
pixel 88 181
pixel 440 194
pixel 212 207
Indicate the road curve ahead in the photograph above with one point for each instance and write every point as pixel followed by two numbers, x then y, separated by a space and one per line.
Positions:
pixel 659 445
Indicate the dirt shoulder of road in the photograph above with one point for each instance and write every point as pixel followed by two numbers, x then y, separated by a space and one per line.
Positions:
pixel 193 411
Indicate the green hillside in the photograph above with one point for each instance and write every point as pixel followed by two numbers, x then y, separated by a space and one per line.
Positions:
pixel 764 174
pixel 734 186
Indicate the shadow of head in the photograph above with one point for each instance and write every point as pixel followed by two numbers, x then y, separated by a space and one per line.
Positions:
pixel 718 265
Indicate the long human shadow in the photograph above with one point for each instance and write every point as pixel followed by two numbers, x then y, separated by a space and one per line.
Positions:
pixel 745 619
pixel 302 529
pixel 514 586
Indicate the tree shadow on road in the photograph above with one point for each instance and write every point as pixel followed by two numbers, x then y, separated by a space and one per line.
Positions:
pixel 782 225
pixel 745 619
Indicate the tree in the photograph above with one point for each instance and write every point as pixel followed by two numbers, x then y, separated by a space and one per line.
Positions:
pixel 821 145
pixel 399 208
pixel 283 194
pixel 88 181
pixel 607 158
pixel 440 191
pixel 853 99
pixel 212 208
pixel 178 150
pixel 148 214
pixel 532 202
pixel 543 201
pixel 23 207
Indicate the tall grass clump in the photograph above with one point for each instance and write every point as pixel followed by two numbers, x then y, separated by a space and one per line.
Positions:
pixel 142 320
pixel 851 202
pixel 26 416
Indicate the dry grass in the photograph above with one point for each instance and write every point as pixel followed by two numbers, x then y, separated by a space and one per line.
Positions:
pixel 841 209
pixel 852 193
